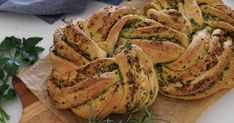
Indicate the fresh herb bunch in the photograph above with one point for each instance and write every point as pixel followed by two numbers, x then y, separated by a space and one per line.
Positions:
pixel 14 53
pixel 147 117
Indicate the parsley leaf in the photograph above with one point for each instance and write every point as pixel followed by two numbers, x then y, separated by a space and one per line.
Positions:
pixel 11 66
pixel 3 116
pixel 13 51
pixel 3 88
pixel 1 74
pixel 10 42
pixel 3 60
pixel 31 42
pixel 30 50
pixel 10 94
pixel 29 55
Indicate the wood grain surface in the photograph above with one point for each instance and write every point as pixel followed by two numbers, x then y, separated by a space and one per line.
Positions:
pixel 33 110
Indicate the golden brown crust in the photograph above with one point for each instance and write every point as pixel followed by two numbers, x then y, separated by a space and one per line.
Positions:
pixel 169 17
pixel 101 22
pixel 211 2
pixel 198 77
pixel 64 51
pixel 225 9
pixel 226 82
pixel 82 43
pixel 199 66
pixel 193 12
pixel 103 105
pixel 139 79
pixel 60 65
pixel 150 5
pixel 130 76
pixel 207 9
pixel 222 25
pixel 159 31
pixel 114 33
pixel 158 51
pixel 122 83
pixel 196 49
pixel 116 60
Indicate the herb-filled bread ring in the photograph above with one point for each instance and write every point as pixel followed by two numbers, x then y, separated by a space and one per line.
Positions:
pixel 206 65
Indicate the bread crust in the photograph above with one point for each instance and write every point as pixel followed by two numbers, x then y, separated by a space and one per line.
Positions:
pixel 207 57
pixel 117 60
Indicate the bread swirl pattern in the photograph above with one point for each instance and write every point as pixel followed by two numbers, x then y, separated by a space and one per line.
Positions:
pixel 92 66
pixel 206 65
pixel 116 59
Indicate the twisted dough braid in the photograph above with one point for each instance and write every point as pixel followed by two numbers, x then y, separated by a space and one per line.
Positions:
pixel 115 60
pixel 94 64
pixel 207 64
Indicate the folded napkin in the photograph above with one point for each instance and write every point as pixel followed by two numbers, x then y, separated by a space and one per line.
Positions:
pixel 48 10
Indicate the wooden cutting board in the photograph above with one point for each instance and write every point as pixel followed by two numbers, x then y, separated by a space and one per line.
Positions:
pixel 33 110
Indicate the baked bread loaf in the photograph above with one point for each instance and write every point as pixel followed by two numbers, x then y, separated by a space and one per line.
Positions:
pixel 115 60
pixel 93 68
pixel 207 64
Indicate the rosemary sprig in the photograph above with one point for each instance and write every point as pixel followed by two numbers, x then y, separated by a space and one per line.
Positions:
pixel 147 117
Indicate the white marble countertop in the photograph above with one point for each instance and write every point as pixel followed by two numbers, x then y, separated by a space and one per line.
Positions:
pixel 27 25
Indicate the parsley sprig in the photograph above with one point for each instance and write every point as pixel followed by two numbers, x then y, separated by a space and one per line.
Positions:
pixel 14 53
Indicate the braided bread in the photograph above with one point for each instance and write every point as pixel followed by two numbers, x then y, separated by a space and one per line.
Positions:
pixel 206 65
pixel 115 60
pixel 91 69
